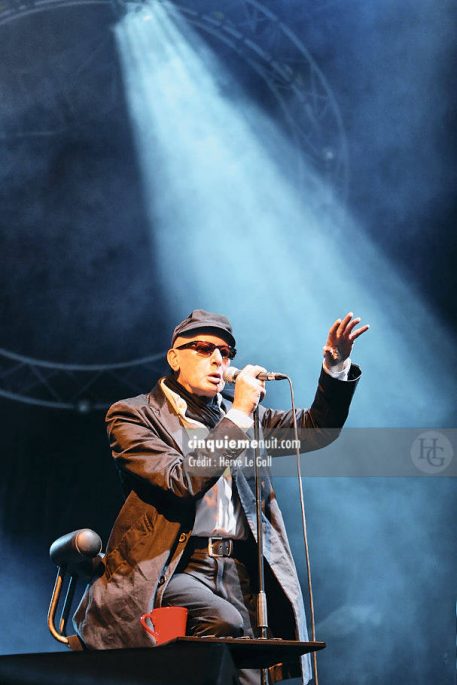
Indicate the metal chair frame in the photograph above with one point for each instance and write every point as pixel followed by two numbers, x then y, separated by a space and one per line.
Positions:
pixel 77 555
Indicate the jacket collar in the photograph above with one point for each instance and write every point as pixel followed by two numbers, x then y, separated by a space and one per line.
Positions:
pixel 168 419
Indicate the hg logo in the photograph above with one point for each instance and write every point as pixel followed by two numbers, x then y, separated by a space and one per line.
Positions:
pixel 431 452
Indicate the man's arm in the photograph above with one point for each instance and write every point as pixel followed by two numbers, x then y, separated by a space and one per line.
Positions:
pixel 322 423
pixel 143 453
pixel 319 425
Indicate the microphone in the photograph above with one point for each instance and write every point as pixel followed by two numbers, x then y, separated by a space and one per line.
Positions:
pixel 231 373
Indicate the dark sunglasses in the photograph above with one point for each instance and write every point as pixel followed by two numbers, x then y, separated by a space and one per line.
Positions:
pixel 207 348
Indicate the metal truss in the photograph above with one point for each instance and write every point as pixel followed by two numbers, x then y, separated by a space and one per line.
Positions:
pixel 75 386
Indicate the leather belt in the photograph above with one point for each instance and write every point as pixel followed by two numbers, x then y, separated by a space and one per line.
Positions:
pixel 219 547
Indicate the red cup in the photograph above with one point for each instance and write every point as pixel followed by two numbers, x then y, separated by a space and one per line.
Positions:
pixel 165 623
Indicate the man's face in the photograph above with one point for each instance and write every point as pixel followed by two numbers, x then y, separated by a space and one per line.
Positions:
pixel 199 374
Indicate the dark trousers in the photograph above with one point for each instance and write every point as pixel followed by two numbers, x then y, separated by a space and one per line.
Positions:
pixel 219 596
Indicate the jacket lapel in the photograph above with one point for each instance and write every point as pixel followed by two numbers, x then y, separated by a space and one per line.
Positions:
pixel 169 421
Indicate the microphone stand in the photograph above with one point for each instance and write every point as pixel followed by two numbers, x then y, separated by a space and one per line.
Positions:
pixel 262 612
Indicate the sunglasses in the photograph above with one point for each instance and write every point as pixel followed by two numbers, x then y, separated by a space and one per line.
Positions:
pixel 207 349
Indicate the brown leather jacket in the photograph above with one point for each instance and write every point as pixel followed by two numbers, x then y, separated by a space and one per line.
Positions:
pixel 155 522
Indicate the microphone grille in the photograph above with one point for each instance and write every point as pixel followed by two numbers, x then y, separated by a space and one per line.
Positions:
pixel 230 374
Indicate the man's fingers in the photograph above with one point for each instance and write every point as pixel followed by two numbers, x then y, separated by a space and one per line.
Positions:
pixel 334 328
pixel 352 324
pixel 344 323
pixel 358 332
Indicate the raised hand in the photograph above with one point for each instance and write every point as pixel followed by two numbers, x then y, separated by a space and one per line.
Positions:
pixel 341 338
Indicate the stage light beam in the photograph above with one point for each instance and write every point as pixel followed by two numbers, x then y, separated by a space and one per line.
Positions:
pixel 230 232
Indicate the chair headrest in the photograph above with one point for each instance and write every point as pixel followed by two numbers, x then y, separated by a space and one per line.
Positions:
pixel 75 547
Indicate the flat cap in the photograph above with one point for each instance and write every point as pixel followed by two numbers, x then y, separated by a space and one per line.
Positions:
pixel 208 322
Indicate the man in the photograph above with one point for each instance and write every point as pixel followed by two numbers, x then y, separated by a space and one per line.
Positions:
pixel 186 536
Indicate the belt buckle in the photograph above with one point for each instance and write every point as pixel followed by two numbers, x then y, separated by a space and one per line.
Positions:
pixel 225 546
